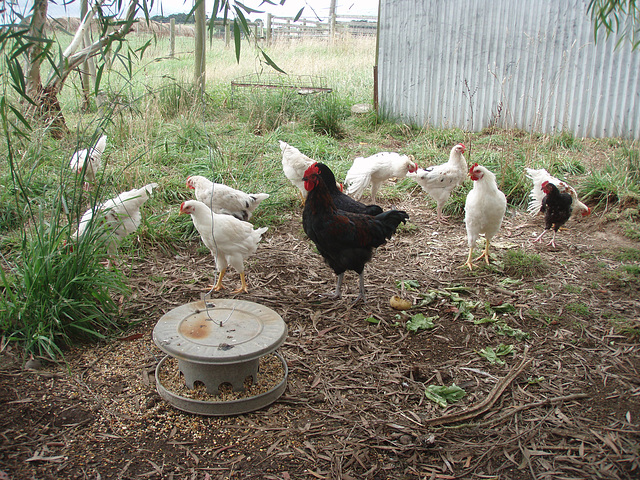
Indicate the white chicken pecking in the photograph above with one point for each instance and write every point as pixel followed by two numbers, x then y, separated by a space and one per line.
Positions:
pixel 121 214
pixel 90 160
pixel 294 164
pixel 231 241
pixel 376 169
pixel 440 180
pixel 484 210
pixel 223 199
pixel 538 177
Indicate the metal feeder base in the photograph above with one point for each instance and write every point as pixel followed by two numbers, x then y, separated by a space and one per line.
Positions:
pixel 223 408
pixel 212 376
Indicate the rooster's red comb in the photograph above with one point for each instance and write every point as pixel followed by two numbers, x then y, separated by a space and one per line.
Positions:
pixel 313 169
pixel 544 184
pixel 472 168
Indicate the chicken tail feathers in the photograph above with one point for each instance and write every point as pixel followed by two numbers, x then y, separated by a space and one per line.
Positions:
pixel 357 182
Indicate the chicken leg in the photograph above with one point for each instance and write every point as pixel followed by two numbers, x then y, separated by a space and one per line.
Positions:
pixel 243 286
pixel 485 253
pixel 468 262
pixel 218 286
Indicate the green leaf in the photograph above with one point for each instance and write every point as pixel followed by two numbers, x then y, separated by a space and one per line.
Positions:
pixel 373 320
pixel 271 62
pixel 504 308
pixel 409 285
pixel 298 15
pixel 429 297
pixel 493 355
pixel 480 321
pixel 503 329
pixel 443 395
pixel 237 39
pixel 420 322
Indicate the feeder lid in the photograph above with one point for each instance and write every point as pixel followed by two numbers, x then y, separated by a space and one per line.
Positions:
pixel 219 332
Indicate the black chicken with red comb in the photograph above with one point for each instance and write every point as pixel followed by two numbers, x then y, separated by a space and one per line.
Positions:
pixel 341 200
pixel 557 208
pixel 344 239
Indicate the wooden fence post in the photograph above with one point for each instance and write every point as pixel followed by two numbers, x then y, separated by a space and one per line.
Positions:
pixel 268 32
pixel 201 47
pixel 172 37
pixel 227 34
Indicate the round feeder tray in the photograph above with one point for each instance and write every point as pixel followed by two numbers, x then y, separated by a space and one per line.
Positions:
pixel 222 408
pixel 219 341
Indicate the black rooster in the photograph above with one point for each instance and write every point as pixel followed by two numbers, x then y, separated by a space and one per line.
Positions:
pixel 557 208
pixel 342 201
pixel 346 240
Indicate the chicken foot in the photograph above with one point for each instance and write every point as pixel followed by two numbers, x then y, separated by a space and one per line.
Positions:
pixel 552 242
pixel 218 286
pixel 338 291
pixel 485 255
pixel 243 286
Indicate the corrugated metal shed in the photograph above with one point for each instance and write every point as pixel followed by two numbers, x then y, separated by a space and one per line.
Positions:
pixel 531 65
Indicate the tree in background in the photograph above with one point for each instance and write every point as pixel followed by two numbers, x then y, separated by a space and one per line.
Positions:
pixel 621 17
pixel 28 38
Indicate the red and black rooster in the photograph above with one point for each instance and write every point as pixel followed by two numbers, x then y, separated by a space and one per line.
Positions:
pixel 345 240
pixel 341 200
pixel 557 207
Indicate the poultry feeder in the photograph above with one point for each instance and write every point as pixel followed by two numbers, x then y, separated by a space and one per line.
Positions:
pixel 216 342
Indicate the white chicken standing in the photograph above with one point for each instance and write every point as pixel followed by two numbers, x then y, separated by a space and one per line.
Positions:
pixel 538 177
pixel 92 158
pixel 121 214
pixel 376 169
pixel 484 210
pixel 231 241
pixel 440 180
pixel 294 164
pixel 223 199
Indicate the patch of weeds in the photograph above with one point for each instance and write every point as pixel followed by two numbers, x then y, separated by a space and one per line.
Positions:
pixel 629 327
pixel 610 185
pixel 444 138
pixel 519 263
pixel 328 115
pixel 571 289
pixel 631 230
pixel 569 167
pixel 628 255
pixel 578 308
pixel 566 140
pixel 541 287
pixel 175 98
pixel 632 270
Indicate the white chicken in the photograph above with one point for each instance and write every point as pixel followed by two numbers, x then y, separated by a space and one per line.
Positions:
pixel 440 180
pixel 223 199
pixel 294 164
pixel 121 214
pixel 90 160
pixel 231 241
pixel 538 177
pixel 484 210
pixel 376 169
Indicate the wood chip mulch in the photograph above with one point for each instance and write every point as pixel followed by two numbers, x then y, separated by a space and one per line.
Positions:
pixel 565 405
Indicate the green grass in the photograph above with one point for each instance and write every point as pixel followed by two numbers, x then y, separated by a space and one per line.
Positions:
pixel 518 263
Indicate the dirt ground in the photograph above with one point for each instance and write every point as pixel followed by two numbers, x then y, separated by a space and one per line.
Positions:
pixel 566 403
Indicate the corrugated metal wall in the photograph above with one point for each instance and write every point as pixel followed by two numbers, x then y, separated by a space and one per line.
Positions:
pixel 534 61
